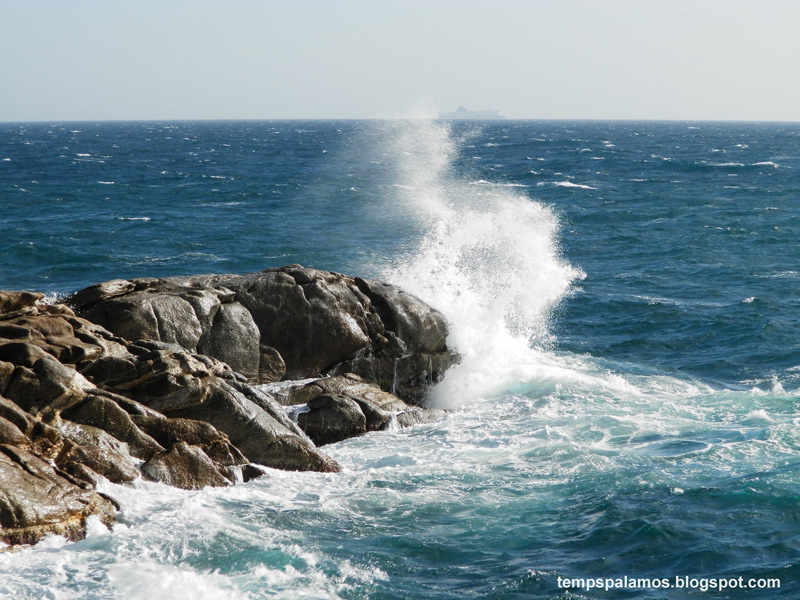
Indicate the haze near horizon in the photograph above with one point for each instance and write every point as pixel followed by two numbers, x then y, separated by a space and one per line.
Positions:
pixel 542 59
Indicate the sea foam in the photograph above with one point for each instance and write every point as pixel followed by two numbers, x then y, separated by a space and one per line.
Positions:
pixel 489 259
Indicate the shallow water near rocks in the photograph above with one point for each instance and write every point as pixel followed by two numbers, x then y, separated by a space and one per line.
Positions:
pixel 624 297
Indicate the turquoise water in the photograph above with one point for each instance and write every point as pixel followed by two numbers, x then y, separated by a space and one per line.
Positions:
pixel 625 297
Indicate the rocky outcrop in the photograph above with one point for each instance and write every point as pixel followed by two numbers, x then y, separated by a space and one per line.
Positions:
pixel 172 380
pixel 78 404
pixel 285 323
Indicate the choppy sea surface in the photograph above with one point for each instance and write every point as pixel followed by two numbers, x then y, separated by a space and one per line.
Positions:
pixel 625 297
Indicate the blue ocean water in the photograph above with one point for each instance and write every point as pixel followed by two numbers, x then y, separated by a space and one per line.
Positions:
pixel 625 297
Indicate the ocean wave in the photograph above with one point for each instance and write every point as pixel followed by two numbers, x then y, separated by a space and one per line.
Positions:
pixel 484 182
pixel 567 184
pixel 489 260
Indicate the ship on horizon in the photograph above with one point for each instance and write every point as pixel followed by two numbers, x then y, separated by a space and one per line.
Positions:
pixel 463 114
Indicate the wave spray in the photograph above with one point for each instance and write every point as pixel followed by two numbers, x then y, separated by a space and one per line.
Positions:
pixel 488 259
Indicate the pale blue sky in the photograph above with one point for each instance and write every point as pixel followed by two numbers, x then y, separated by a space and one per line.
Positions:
pixel 539 59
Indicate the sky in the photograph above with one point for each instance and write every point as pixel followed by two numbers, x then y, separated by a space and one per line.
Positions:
pixel 534 59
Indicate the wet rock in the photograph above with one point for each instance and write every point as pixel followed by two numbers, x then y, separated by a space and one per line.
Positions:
pixel 117 467
pixel 37 500
pixel 332 418
pixel 417 416
pixel 93 448
pixel 381 409
pixel 262 438
pixel 184 466
pixel 107 415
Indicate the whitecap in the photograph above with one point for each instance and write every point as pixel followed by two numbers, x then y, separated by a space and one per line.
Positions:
pixel 758 417
pixel 567 184
pixel 133 218
pixel 766 163
pixel 106 182
pixel 484 182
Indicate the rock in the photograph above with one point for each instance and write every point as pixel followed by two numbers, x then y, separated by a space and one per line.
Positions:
pixel 290 322
pixel 11 434
pixel 46 384
pixel 233 338
pixel 214 443
pixel 99 452
pixel 180 385
pixel 417 416
pixel 184 466
pixel 12 412
pixel 161 383
pixel 11 302
pixel 271 366
pixel 37 501
pixel 104 290
pixel 104 413
pixel 262 438
pixel 117 467
pixel 332 418
pixel 380 409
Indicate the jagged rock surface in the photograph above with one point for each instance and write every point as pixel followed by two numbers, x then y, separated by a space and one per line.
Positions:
pixel 285 323
pixel 78 403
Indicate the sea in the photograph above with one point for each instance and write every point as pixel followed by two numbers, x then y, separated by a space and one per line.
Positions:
pixel 625 298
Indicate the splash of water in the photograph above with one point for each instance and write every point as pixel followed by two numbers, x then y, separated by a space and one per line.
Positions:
pixel 489 260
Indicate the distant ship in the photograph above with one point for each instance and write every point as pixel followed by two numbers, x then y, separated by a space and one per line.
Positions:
pixel 463 114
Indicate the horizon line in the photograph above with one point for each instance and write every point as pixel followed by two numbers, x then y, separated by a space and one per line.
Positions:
pixel 411 118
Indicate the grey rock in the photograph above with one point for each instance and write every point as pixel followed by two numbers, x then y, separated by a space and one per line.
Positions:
pixel 233 338
pixel 332 418
pixel 290 322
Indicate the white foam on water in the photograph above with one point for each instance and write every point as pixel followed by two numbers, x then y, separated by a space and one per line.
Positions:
pixel 489 260
pixel 566 184
pixel 149 580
